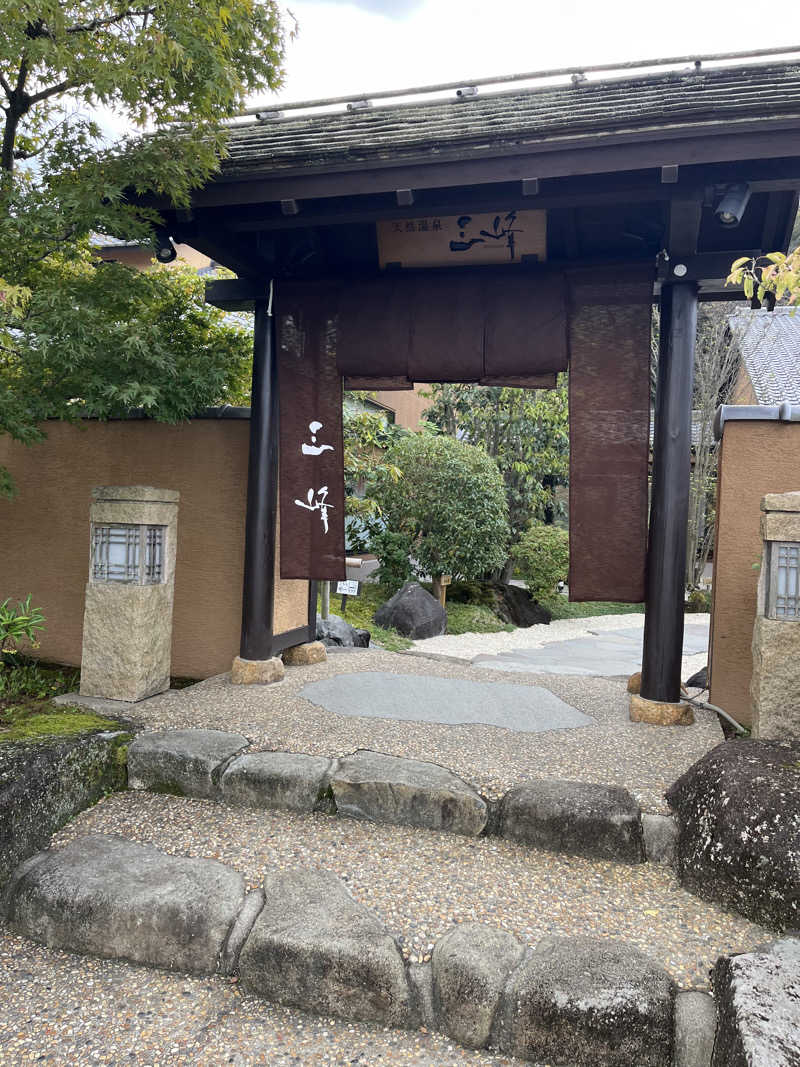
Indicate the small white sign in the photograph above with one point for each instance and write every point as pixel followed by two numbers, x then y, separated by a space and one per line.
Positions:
pixel 348 588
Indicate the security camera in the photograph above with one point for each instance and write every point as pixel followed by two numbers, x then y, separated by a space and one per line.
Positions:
pixel 733 203
pixel 165 250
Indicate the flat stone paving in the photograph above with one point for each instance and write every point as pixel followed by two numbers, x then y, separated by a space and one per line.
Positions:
pixel 450 701
pixel 421 882
pixel 611 751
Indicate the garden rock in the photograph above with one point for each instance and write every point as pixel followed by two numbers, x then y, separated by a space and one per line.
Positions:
pixel 406 792
pixel 698 680
pixel 738 814
pixel 588 1003
pixel 286 780
pixel 660 838
pixel 471 966
pixel 44 784
pixel 337 631
pixel 413 612
pixel 315 948
pixel 515 604
pixel 695 1026
pixel 758 997
pixel 602 822
pixel 183 762
pixel 109 897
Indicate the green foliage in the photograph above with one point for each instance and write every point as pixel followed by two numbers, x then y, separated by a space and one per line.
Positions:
pixel 25 722
pixel 368 435
pixel 394 550
pixel 450 505
pixel 20 622
pixel 561 608
pixel 473 619
pixel 173 68
pixel 525 430
pixel 775 273
pixel 698 600
pixel 542 558
pixel 32 680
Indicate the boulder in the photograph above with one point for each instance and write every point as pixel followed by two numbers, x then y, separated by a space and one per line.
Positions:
pixel 110 897
pixel 413 612
pixel 406 792
pixel 305 654
pixel 183 762
pixel 516 605
pixel 44 784
pixel 471 965
pixel 337 631
pixel 287 780
pixel 758 999
pixel 698 680
pixel 257 671
pixel 738 814
pixel 599 821
pixel 588 1002
pixel 315 948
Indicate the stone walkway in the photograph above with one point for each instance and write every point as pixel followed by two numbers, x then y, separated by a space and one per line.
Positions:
pixel 74 1011
pixel 610 750
pixel 420 882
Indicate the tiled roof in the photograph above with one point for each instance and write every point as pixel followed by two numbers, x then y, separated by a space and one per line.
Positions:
pixel 690 99
pixel 770 346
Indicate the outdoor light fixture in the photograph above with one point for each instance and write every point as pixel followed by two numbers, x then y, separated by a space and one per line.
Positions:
pixel 467 90
pixel 165 250
pixel 733 203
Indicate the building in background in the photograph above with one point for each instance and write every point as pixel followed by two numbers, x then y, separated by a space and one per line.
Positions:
pixel 769 343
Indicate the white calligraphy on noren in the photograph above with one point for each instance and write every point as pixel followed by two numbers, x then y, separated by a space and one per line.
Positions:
pixel 320 504
pixel 314 449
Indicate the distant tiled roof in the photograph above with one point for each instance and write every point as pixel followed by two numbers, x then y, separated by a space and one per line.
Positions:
pixel 770 346
pixel 690 99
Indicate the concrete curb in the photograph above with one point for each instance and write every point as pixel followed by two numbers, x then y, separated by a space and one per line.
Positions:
pixel 304 941
pixel 578 818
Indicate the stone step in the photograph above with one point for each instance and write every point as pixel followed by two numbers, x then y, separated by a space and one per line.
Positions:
pixel 600 822
pixel 305 942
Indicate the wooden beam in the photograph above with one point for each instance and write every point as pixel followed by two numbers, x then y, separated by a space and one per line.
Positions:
pixel 684 226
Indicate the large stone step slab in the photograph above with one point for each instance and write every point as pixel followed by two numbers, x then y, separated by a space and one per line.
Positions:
pixel 406 792
pixel 598 821
pixel 314 947
pixel 285 780
pixel 589 1003
pixel 183 762
pixel 107 896
pixel 758 994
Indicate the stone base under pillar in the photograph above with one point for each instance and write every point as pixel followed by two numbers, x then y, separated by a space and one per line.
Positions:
pixel 659 713
pixel 302 655
pixel 257 671
pixel 635 682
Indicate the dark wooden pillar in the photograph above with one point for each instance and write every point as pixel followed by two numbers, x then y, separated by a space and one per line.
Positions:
pixel 669 507
pixel 262 493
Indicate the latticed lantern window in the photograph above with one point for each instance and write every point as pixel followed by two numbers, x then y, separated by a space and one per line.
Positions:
pixel 128 553
pixel 783 601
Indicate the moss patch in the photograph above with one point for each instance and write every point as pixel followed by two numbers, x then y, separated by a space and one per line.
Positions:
pixel 474 619
pixel 30 720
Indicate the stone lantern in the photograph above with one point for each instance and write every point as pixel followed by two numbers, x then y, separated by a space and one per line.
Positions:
pixel 127 623
pixel 775 687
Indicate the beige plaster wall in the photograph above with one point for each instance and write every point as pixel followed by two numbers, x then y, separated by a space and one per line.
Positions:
pixel 407 404
pixel 44 532
pixel 756 458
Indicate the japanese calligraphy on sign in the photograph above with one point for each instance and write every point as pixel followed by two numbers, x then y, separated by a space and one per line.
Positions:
pixel 501 237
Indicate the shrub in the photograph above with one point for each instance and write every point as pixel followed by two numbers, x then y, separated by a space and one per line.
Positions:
pixel 542 558
pixel 449 504
pixel 19 623
pixel 393 550
pixel 699 600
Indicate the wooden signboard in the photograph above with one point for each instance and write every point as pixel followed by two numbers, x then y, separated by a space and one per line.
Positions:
pixel 504 237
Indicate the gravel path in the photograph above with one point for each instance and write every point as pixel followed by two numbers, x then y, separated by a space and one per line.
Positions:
pixel 420 882
pixel 613 751
pixel 71 1010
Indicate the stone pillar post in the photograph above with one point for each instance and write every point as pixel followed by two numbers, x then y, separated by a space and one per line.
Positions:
pixel 775 686
pixel 127 623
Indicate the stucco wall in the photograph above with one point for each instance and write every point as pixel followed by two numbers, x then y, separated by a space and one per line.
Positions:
pixel 407 404
pixel 757 458
pixel 44 532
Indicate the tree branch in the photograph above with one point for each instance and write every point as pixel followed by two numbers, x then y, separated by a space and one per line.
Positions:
pixel 97 24
pixel 6 86
pixel 52 90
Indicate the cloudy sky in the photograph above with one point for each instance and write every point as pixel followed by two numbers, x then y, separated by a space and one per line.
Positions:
pixel 384 44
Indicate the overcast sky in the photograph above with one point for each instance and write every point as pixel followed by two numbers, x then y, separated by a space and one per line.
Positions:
pixel 385 44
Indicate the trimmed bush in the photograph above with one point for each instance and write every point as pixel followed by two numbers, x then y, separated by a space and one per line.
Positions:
pixel 542 558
